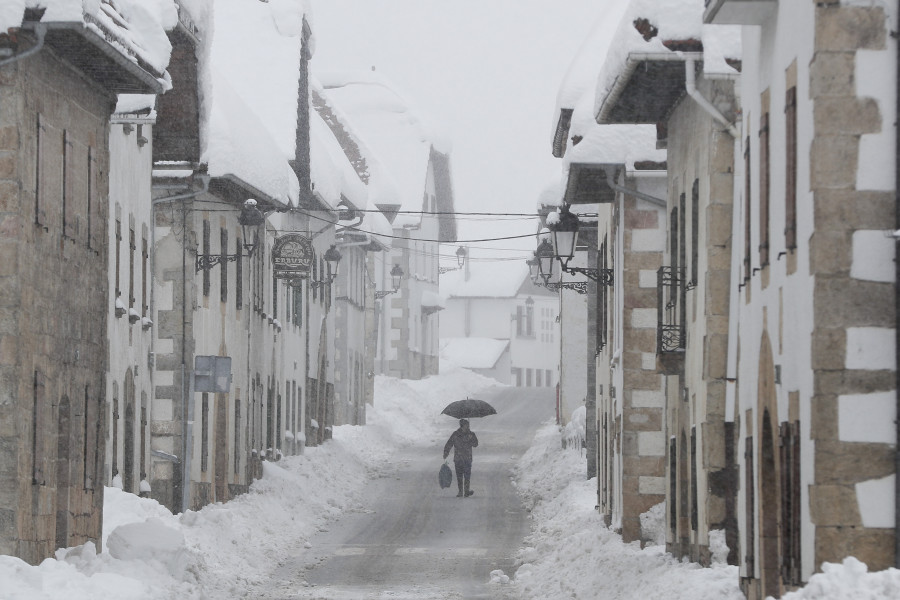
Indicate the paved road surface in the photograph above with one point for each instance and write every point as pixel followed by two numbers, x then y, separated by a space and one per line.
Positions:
pixel 422 542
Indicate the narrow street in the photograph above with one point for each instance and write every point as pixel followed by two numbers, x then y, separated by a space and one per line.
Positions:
pixel 419 541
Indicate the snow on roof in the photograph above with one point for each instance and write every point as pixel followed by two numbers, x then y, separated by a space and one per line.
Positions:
pixel 333 177
pixel 254 52
pixel 552 193
pixel 609 144
pixel 136 104
pixel 136 27
pixel 485 280
pixel 581 75
pixel 473 352
pixel 432 300
pixel 377 226
pixel 393 131
pixel 648 25
pixel 237 144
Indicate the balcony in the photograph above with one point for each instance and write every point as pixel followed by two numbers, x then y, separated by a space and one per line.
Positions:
pixel 671 334
pixel 738 12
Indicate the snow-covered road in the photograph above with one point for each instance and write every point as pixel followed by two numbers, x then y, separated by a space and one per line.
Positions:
pixel 320 519
pixel 416 540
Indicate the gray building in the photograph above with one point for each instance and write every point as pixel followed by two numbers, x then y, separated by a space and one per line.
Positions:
pixel 58 82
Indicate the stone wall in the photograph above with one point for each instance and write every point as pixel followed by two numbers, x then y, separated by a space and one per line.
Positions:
pixel 643 423
pixel 842 302
pixel 53 306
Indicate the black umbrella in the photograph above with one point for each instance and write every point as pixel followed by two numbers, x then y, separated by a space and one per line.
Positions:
pixel 469 408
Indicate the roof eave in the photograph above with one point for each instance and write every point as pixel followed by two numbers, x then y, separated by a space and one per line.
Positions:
pixel 630 90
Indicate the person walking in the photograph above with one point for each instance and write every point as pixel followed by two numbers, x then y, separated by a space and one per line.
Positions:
pixel 462 441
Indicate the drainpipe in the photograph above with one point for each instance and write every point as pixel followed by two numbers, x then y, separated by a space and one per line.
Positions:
pixel 692 91
pixel 897 321
pixel 611 182
pixel 40 29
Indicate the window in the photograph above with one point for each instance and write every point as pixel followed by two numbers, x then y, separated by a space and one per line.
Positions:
pixel 118 254
pixel 529 317
pixel 204 433
pixel 89 452
pixel 223 265
pixel 602 322
pixel 790 502
pixel 790 196
pixel 750 510
pixel 274 298
pixel 132 247
pixel 239 275
pixel 528 377
pixel 764 190
pixel 37 429
pixel 695 232
pixel 89 198
pixel 144 448
pixel 297 305
pixel 694 478
pixel 673 486
pixel 237 436
pixel 747 213
pixel 145 257
pixel 39 159
pixel 547 377
pixel 64 188
pixel 205 253
pixel 538 378
pixel 115 429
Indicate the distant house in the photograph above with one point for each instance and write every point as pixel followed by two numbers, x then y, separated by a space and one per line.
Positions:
pixel 665 76
pixel 485 356
pixel 363 233
pixel 130 377
pixel 61 70
pixel 498 315
pixel 409 181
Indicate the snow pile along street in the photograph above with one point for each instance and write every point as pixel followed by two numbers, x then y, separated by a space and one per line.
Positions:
pixel 229 550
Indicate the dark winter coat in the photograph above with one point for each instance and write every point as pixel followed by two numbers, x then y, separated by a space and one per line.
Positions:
pixel 463 442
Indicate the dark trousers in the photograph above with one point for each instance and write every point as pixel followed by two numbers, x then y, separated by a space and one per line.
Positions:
pixel 463 473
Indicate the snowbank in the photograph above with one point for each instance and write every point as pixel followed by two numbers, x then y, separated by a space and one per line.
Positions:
pixel 228 550
pixel 572 554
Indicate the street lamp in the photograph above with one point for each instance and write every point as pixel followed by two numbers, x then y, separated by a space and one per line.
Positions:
pixel 250 217
pixel 564 230
pixel 545 255
pixel 332 259
pixel 461 256
pixel 396 275
pixel 565 235
pixel 533 271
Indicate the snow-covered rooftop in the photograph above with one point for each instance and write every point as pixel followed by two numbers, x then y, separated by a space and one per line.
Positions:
pixel 473 352
pixel 249 91
pixel 136 28
pixel 485 280
pixel 391 129
pixel 665 28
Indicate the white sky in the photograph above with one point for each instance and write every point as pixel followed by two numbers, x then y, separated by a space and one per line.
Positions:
pixel 486 71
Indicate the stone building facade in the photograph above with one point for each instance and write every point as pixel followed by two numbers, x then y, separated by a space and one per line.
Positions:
pixel 54 129
pixel 815 404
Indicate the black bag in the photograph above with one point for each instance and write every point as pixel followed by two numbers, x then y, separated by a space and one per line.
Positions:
pixel 445 476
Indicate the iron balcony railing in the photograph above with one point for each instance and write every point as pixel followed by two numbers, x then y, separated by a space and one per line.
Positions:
pixel 670 306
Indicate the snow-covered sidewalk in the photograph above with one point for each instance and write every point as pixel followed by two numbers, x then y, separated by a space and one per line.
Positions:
pixel 229 550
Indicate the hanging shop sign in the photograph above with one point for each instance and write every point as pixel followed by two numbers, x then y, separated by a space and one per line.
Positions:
pixel 292 256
